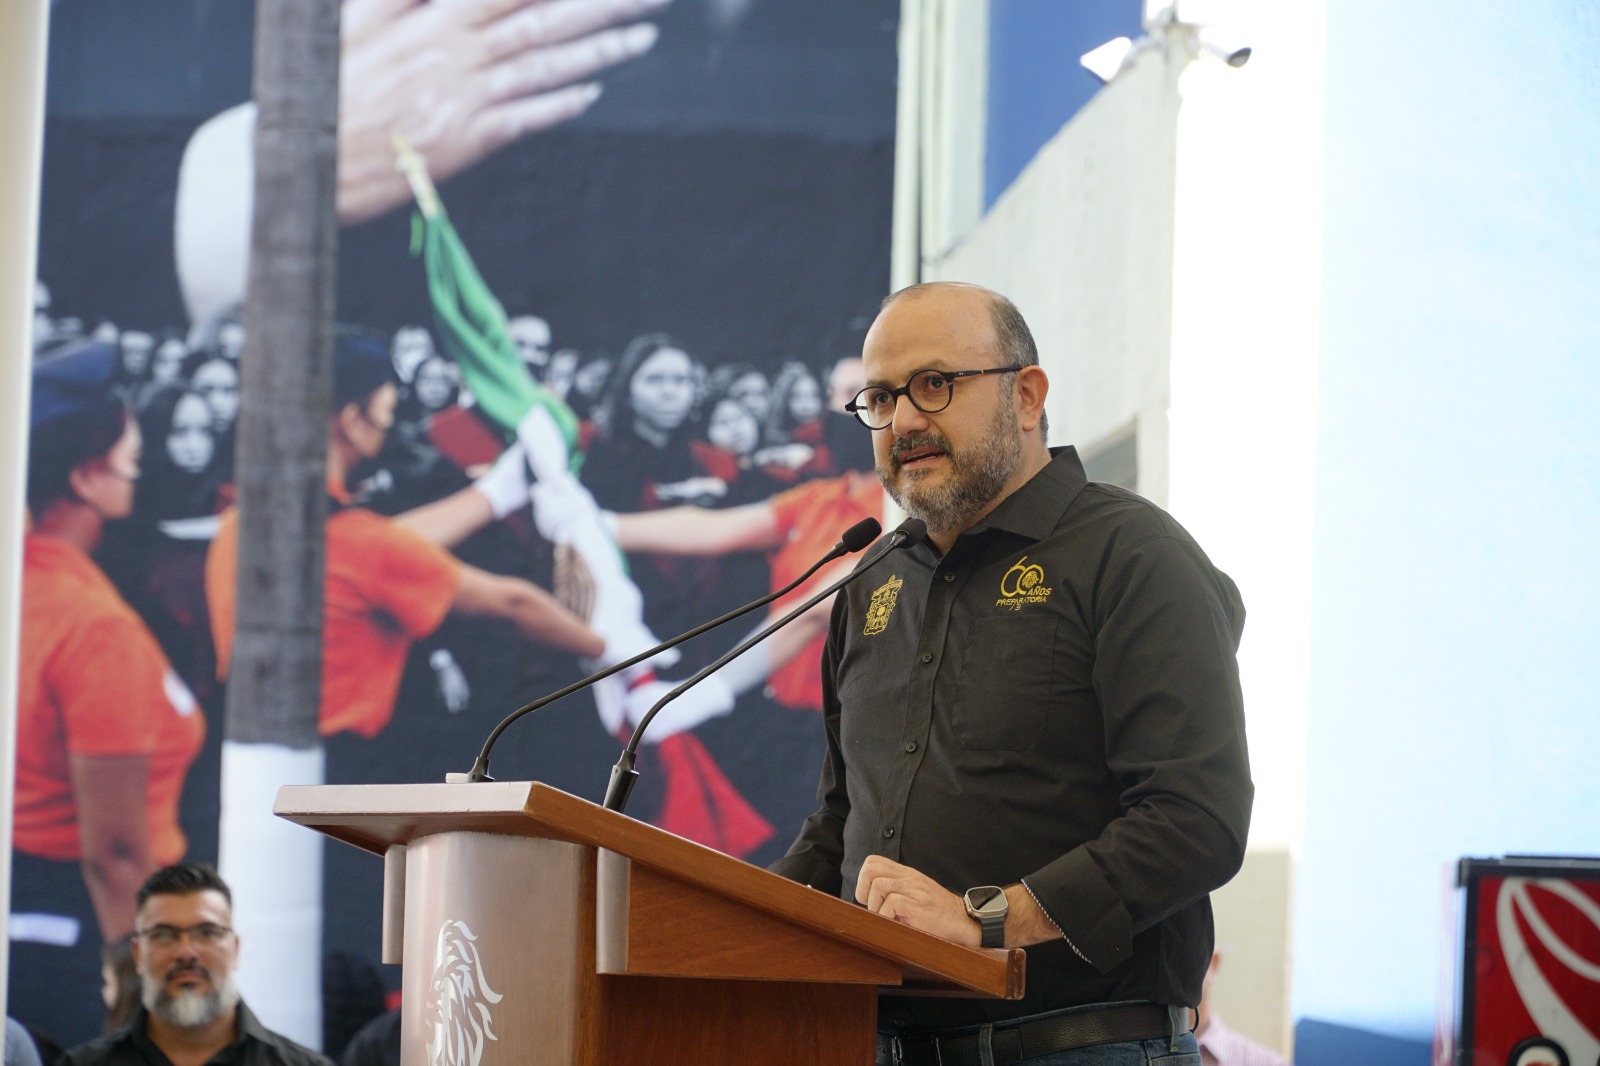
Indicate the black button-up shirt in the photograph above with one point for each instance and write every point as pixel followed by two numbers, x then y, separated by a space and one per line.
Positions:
pixel 1055 701
pixel 255 1045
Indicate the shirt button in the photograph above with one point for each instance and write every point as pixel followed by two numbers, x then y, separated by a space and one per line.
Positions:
pixel 927 657
pixel 950 576
pixel 911 746
pixel 888 831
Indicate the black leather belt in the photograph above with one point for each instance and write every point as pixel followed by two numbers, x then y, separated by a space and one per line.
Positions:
pixel 1015 1042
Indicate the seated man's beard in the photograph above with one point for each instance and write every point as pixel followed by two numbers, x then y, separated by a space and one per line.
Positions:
pixel 189 1008
pixel 977 473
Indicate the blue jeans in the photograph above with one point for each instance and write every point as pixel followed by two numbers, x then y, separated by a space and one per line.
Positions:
pixel 1135 1053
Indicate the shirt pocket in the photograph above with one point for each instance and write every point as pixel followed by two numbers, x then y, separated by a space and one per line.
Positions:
pixel 1008 666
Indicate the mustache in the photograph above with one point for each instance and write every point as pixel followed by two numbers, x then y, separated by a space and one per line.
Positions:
pixel 189 967
pixel 902 445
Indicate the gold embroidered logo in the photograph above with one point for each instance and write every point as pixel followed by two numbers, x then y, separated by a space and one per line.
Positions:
pixel 883 599
pixel 1023 583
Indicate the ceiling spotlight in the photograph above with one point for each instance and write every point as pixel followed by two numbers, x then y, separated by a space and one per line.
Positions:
pixel 1108 60
pixel 1221 46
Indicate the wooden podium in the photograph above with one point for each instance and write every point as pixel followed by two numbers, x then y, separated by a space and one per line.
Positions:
pixel 535 927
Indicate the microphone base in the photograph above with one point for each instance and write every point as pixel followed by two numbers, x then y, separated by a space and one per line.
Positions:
pixel 623 776
pixel 477 775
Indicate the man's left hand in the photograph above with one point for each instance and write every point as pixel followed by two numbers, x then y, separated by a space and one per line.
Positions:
pixel 914 899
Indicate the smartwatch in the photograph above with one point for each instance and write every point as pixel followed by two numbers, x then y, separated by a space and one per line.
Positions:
pixel 988 904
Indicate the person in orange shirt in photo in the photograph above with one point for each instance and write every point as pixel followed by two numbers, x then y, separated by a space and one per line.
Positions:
pixel 106 731
pixel 390 581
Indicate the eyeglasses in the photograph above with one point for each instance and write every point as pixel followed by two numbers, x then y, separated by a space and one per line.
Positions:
pixel 928 390
pixel 206 934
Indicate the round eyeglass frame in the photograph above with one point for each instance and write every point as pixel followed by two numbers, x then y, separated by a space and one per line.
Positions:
pixel 857 408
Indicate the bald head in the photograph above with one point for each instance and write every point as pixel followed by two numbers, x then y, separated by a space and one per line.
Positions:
pixel 1011 340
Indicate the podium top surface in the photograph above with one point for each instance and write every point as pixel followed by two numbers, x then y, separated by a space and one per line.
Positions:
pixel 376 817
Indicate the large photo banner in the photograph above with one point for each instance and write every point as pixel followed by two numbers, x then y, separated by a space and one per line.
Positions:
pixel 604 271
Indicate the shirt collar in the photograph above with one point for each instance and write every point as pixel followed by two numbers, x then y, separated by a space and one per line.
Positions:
pixel 1034 510
pixel 250 1026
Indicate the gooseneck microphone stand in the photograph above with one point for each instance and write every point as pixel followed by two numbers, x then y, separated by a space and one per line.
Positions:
pixel 853 540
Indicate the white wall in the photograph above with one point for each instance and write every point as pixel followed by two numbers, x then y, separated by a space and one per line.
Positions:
pixel 1244 363
pixel 1082 243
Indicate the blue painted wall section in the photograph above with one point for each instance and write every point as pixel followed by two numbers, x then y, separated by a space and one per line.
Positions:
pixel 1035 81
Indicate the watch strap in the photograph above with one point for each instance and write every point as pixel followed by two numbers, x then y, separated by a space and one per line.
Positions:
pixel 994 930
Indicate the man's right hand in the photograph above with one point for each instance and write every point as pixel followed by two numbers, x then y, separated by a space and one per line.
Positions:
pixel 913 898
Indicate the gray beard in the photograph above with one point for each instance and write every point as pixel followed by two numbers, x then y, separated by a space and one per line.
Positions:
pixel 978 473
pixel 188 1009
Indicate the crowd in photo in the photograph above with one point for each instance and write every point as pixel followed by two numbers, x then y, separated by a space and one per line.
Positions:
pixel 659 428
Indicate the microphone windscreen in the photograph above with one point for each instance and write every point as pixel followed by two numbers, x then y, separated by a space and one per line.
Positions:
pixel 861 534
pixel 912 531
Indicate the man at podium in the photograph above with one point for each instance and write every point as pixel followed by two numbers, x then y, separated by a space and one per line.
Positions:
pixel 1035 733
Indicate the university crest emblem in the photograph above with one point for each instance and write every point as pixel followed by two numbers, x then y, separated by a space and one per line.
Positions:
pixel 883 598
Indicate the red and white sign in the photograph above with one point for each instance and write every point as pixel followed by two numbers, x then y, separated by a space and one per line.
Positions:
pixel 1535 981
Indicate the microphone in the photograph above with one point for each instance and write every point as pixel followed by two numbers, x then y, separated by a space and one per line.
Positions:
pixel 853 540
pixel 623 776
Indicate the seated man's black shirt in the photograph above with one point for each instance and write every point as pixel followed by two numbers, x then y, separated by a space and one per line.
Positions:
pixel 255 1045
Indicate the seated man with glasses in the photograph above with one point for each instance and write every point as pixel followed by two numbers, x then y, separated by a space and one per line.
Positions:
pixel 185 950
